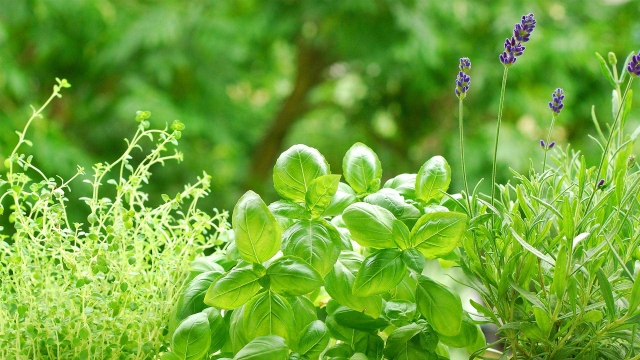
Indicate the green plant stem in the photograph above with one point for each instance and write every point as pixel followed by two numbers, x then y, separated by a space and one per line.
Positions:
pixel 464 169
pixel 546 150
pixel 495 148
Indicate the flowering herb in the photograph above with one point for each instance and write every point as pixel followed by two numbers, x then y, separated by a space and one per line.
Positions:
pixel 513 46
pixel 556 104
pixel 462 85
pixel 634 65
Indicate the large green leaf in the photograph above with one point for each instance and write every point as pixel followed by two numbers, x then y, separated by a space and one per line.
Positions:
pixel 397 342
pixel 433 178
pixel 192 337
pixel 291 276
pixel 437 234
pixel 405 184
pixel 257 233
pixel 362 169
pixel 370 225
pixel 467 336
pixel 218 327
pixel 268 314
pixel 339 285
pixel 304 313
pixel 406 290
pixel 391 200
pixel 440 306
pixel 314 339
pixel 343 197
pixel 295 169
pixel 237 332
pixel 264 348
pixel 353 319
pixel 233 290
pixel 312 242
pixel 192 299
pixel 379 273
pixel 287 212
pixel 320 193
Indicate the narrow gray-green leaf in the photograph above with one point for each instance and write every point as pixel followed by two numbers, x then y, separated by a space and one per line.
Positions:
pixel 531 249
pixel 291 276
pixel 361 168
pixel 607 294
pixel 433 178
pixel 605 70
pixel 379 273
pixel 192 337
pixel 264 348
pixel 312 242
pixel 370 225
pixel 634 300
pixel 440 306
pixel 438 233
pixel 233 290
pixel 320 193
pixel 295 169
pixel 257 233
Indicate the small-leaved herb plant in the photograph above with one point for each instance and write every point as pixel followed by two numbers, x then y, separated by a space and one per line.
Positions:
pixel 101 289
pixel 333 269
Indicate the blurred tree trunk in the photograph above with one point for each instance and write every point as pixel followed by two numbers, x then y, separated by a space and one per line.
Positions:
pixel 310 63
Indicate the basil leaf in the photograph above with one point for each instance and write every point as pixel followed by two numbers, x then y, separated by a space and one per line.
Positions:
pixel 414 260
pixel 398 340
pixel 438 233
pixel 401 234
pixel 192 299
pixel 406 290
pixel 320 193
pixel 237 331
pixel 192 337
pixel 469 332
pixel 312 242
pixel 314 340
pixel 257 233
pixel 362 169
pixel 404 184
pixel 343 197
pixel 291 276
pixel 440 306
pixel 400 312
pixel 233 290
pixel 218 327
pixel 295 169
pixel 304 313
pixel 433 178
pixel 391 200
pixel 339 285
pixel 379 273
pixel 370 225
pixel 264 348
pixel 268 314
pixel 356 320
pixel 204 264
pixel 287 212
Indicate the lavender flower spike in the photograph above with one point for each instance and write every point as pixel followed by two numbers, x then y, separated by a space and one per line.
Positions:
pixel 521 33
pixel 634 65
pixel 465 64
pixel 556 105
pixel 523 30
pixel 463 80
pixel 542 144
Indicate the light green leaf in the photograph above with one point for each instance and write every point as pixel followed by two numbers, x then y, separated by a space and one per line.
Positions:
pixel 320 193
pixel 257 233
pixel 291 276
pixel 401 235
pixel 607 293
pixel 405 184
pixel 264 348
pixel 343 197
pixel 466 337
pixel 370 225
pixel 361 169
pixel 237 331
pixel 414 260
pixel 592 316
pixel 218 327
pixel 339 285
pixel 379 273
pixel 287 212
pixel 634 300
pixel 233 290
pixel 400 312
pixel 295 169
pixel 353 319
pixel 437 234
pixel 314 339
pixel 440 306
pixel 398 340
pixel 304 313
pixel 391 200
pixel 192 299
pixel 312 242
pixel 268 314
pixel 560 272
pixel 192 338
pixel 433 178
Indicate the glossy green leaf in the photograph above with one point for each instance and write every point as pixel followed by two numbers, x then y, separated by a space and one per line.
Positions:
pixel 370 225
pixel 320 193
pixel 237 333
pixel 437 234
pixel 414 260
pixel 268 314
pixel 339 285
pixel 440 306
pixel 362 169
pixel 340 351
pixel 192 299
pixel 406 290
pixel 397 341
pixel 291 276
pixel 257 233
pixel 192 338
pixel 433 178
pixel 219 329
pixel 233 290
pixel 287 212
pixel 353 319
pixel 314 340
pixel 264 348
pixel 400 312
pixel 304 313
pixel 391 200
pixel 295 169
pixel 466 336
pixel 379 273
pixel 204 264
pixel 401 235
pixel 312 242
pixel 343 197
pixel 404 184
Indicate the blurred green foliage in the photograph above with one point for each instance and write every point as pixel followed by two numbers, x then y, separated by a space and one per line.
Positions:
pixel 250 77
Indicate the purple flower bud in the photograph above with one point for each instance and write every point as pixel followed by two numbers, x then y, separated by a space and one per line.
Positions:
pixel 551 145
pixel 634 65
pixel 542 144
pixel 601 182
pixel 556 104
pixel 521 34
pixel 523 30
pixel 465 64
pixel 462 82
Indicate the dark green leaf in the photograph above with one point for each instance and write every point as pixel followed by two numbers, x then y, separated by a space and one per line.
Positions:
pixel 233 290
pixel 257 233
pixel 268 314
pixel 433 178
pixel 320 193
pixel 291 276
pixel 379 273
pixel 192 298
pixel 295 169
pixel 398 340
pixel 192 337
pixel 264 348
pixel 440 306
pixel 312 242
pixel 437 234
pixel 370 225
pixel 219 330
pixel 356 320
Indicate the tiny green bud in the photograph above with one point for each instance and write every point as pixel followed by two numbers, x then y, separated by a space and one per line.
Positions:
pixel 612 58
pixel 631 160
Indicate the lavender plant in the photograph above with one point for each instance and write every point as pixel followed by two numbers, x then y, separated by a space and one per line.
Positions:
pixel 100 289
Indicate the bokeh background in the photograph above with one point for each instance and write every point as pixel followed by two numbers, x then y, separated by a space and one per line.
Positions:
pixel 249 78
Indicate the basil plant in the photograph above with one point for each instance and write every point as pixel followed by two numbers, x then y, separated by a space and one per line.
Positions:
pixel 333 270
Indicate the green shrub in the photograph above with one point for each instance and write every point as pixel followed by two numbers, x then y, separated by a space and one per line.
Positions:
pixel 101 289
